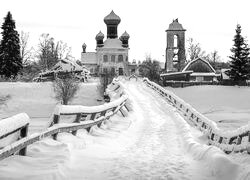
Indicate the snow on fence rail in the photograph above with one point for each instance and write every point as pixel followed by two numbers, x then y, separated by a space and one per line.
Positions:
pixel 237 140
pixel 96 114
pixel 13 129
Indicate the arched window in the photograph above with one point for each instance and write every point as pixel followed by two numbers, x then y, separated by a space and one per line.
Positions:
pixel 113 58
pixel 120 58
pixel 105 58
pixel 175 41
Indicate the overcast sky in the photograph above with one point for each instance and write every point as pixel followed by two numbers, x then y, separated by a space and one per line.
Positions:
pixel 212 23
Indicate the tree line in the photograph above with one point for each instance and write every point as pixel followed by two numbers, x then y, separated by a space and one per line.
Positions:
pixel 17 58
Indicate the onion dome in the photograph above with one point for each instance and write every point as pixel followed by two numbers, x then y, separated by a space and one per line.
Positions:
pixel 112 19
pixel 99 36
pixel 124 36
pixel 175 26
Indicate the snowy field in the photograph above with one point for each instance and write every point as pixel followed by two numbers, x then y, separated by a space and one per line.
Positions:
pixel 37 100
pixel 228 106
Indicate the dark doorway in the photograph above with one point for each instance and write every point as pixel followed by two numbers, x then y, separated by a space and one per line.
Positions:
pixel 120 71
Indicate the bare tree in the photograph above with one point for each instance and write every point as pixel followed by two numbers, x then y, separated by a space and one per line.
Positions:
pixel 63 50
pixel 194 49
pixel 47 53
pixel 25 52
pixel 65 89
pixel 214 58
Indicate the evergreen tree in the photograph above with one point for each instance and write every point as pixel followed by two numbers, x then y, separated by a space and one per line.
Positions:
pixel 239 64
pixel 10 59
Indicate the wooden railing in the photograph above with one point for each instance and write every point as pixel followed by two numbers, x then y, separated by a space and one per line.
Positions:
pixel 237 140
pixel 85 118
pixel 14 129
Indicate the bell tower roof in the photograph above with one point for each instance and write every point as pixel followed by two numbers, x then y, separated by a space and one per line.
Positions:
pixel 175 26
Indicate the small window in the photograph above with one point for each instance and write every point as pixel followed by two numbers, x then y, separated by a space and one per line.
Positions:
pixel 120 58
pixel 127 58
pixel 113 58
pixel 105 58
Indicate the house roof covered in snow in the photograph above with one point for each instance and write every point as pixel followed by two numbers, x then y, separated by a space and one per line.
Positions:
pixel 199 65
pixel 176 73
pixel 66 65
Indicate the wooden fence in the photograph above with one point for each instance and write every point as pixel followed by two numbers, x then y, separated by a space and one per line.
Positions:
pixel 237 140
pixel 96 114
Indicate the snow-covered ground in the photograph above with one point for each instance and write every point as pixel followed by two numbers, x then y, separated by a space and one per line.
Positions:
pixel 37 100
pixel 152 142
pixel 229 106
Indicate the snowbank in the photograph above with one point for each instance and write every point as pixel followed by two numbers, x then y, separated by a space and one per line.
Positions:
pixel 218 163
pixel 236 140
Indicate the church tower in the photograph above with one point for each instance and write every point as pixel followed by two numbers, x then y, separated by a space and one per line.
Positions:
pixel 175 51
pixel 112 21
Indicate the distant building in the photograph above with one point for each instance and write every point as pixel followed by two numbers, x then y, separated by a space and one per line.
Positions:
pixel 175 51
pixel 196 70
pixel 202 70
pixel 111 54
pixel 64 68
pixel 176 68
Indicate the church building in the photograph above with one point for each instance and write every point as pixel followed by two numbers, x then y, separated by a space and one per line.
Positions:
pixel 111 54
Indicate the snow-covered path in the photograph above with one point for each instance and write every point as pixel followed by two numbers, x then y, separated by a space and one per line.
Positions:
pixel 157 151
pixel 147 144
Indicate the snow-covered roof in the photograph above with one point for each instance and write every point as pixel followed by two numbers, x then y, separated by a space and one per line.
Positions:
pixel 202 74
pixel 197 59
pixel 176 73
pixel 89 58
pixel 65 64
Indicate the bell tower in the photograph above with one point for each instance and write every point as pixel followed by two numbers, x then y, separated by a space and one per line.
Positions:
pixel 175 51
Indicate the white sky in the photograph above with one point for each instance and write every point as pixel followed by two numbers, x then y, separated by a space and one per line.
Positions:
pixel 212 23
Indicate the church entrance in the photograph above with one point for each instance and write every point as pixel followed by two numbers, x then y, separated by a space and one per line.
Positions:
pixel 120 71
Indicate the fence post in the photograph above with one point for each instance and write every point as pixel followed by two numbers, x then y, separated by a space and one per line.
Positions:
pixel 77 120
pixel 92 117
pixel 122 112
pixel 102 114
pixel 23 134
pixel 55 121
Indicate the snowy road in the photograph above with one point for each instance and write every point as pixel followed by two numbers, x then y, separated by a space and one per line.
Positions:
pixel 157 151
